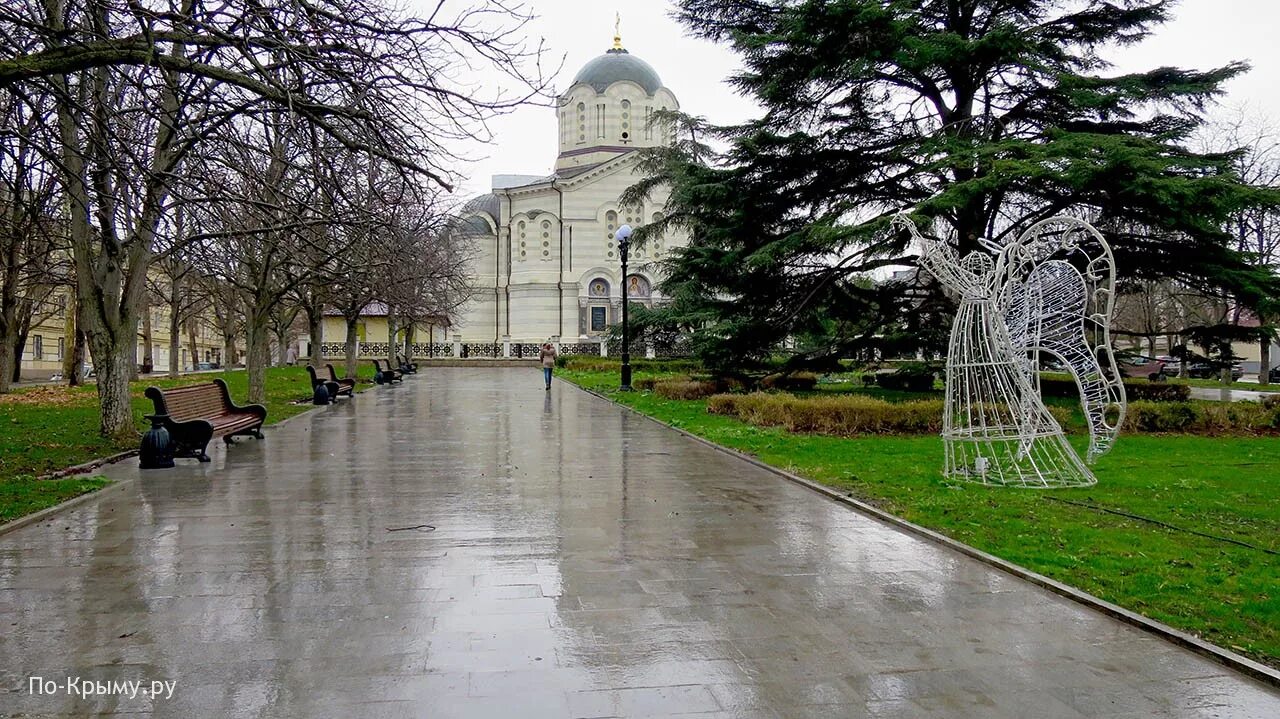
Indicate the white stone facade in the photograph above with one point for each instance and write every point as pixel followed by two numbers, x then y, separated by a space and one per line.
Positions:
pixel 546 261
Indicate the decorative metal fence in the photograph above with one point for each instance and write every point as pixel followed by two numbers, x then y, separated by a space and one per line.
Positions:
pixel 580 348
pixel 677 347
pixel 432 349
pixel 615 347
pixel 379 350
pixel 481 349
pixel 525 349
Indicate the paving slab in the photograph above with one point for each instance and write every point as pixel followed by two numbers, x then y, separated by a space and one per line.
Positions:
pixel 576 561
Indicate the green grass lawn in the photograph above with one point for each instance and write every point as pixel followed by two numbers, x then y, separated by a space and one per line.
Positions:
pixel 1226 487
pixel 47 428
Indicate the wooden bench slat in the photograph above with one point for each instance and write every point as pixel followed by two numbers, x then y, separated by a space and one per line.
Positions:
pixel 195 414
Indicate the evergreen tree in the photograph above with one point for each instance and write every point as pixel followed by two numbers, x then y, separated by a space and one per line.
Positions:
pixel 983 115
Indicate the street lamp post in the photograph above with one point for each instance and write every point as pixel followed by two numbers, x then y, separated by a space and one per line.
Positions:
pixel 623 236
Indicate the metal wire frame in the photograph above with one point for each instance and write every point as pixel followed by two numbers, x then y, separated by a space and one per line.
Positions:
pixel 1050 291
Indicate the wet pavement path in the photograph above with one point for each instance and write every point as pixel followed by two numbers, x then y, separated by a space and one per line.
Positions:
pixel 584 562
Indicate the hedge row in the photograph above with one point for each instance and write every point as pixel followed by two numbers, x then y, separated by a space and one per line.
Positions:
pixel 1133 390
pixel 611 364
pixel 852 415
pixel 844 416
pixel 1209 418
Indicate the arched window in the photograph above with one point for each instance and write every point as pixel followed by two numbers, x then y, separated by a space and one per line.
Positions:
pixel 546 240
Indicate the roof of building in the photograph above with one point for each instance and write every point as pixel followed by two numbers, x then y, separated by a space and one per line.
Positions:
pixel 617 65
pixel 487 203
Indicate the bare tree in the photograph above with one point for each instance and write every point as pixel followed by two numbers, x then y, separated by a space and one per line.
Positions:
pixel 1254 141
pixel 32 231
pixel 140 90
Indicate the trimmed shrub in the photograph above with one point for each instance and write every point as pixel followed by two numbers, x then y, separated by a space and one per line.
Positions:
pixel 685 388
pixel 648 383
pixel 846 415
pixel 1134 390
pixel 1208 418
pixel 1064 415
pixel 1271 401
pixel 592 363
pixel 794 382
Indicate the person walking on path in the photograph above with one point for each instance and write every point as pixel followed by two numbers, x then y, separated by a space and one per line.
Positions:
pixel 548 357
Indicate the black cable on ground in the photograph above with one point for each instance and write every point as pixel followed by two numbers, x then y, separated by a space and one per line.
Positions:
pixel 1166 525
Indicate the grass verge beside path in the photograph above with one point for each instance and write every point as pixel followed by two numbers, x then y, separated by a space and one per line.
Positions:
pixel 1225 487
pixel 50 427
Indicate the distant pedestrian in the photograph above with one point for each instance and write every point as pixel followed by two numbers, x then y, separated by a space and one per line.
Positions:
pixel 291 356
pixel 548 357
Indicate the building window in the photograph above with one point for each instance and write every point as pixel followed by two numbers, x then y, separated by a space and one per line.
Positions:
pixel 648 122
pixel 522 229
pixel 599 316
pixel 62 348
pixel 38 346
pixel 611 224
pixel 600 124
pixel 582 122
pixel 626 120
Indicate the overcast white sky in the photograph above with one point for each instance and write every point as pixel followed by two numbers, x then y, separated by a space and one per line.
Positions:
pixel 1204 33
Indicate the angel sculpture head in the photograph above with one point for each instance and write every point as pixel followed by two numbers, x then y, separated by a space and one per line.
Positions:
pixel 1049 292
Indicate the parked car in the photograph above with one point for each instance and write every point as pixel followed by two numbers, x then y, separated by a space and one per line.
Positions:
pixel 1274 375
pixel 1199 367
pixel 1136 365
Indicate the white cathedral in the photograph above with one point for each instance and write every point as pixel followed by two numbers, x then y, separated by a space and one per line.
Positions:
pixel 546 262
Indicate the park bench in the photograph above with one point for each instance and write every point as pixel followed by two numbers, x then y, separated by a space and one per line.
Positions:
pixel 197 413
pixel 345 386
pixel 385 376
pixel 330 386
pixel 407 367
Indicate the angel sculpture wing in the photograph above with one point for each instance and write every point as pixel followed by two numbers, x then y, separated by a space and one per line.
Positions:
pixel 1057 292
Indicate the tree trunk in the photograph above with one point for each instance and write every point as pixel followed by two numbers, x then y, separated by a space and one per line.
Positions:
pixel 352 341
pixel 69 328
pixel 6 363
pixel 408 342
pixel 75 377
pixel 392 331
pixel 175 328
pixel 19 346
pixel 192 344
pixel 257 356
pixel 315 324
pixel 148 338
pixel 1264 362
pixel 133 354
pixel 112 365
pixel 1151 346
pixel 228 351
pixel 282 348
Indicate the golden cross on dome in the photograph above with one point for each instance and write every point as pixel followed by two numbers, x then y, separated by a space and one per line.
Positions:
pixel 617 31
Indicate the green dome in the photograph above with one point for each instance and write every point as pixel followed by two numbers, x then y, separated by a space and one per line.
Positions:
pixel 615 66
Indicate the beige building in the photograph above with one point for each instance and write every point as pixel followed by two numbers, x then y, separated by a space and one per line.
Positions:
pixel 48 342
pixel 547 261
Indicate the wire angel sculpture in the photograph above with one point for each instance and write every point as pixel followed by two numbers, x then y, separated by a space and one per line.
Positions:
pixel 1050 292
